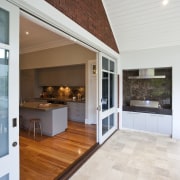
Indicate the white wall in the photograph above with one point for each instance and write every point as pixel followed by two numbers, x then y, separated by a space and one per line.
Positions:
pixel 91 94
pixel 159 57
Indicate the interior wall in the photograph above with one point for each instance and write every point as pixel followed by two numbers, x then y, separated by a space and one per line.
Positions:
pixel 158 57
pixel 91 95
pixel 61 56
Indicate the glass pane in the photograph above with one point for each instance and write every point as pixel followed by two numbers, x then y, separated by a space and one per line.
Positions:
pixel 4 26
pixel 111 121
pixel 104 125
pixel 111 66
pixel 111 90
pixel 4 149
pixel 6 177
pixel 105 81
pixel 105 63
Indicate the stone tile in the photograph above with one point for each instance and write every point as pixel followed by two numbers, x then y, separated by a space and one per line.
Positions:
pixel 127 176
pixel 145 176
pixel 161 172
pixel 129 155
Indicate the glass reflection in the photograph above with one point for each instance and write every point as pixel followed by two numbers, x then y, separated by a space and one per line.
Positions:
pixel 6 177
pixel 105 125
pixel 111 121
pixel 111 66
pixel 105 64
pixel 105 82
pixel 111 90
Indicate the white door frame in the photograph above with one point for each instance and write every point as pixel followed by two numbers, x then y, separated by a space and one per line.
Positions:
pixel 9 164
pixel 105 114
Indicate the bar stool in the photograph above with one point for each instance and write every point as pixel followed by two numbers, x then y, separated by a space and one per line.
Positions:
pixel 36 125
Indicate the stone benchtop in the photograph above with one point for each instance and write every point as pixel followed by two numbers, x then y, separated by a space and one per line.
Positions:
pixel 41 106
pixel 148 110
pixel 59 100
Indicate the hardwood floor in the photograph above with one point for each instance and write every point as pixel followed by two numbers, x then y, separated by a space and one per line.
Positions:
pixel 47 157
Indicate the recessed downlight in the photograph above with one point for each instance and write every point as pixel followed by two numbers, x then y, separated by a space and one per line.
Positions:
pixel 165 2
pixel 27 32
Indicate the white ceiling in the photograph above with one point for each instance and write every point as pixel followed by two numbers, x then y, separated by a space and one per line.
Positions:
pixel 39 38
pixel 142 24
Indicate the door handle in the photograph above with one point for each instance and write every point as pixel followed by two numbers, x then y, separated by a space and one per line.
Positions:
pixel 14 144
pixel 99 108
pixel 14 122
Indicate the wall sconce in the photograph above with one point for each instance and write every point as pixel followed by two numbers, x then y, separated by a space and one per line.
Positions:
pixel 93 69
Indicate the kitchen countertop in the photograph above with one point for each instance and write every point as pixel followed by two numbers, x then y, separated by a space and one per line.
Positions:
pixel 162 111
pixel 58 100
pixel 75 101
pixel 41 106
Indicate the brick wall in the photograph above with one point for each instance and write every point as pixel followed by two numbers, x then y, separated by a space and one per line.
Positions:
pixel 89 14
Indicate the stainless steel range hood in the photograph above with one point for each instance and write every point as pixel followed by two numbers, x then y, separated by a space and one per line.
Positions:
pixel 147 74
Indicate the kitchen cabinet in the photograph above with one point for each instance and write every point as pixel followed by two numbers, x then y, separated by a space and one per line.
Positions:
pixel 134 120
pixel 127 120
pixel 152 122
pixel 76 111
pixel 139 121
pixel 147 122
pixel 159 123
pixel 165 124
pixel 57 76
pixel 28 84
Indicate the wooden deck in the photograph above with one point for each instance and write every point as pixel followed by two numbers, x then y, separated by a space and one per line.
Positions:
pixel 47 157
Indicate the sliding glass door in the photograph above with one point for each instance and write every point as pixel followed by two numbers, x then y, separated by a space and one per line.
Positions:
pixel 9 91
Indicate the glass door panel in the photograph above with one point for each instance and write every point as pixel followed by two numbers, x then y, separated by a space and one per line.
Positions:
pixel 112 68
pixel 105 63
pixel 111 94
pixel 4 61
pixel 105 126
pixel 5 177
pixel 105 82
pixel 111 121
pixel 9 91
pixel 4 26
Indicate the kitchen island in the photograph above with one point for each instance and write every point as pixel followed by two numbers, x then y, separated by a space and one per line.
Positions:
pixel 76 108
pixel 53 116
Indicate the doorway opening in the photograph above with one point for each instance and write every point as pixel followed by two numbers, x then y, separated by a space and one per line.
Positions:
pixel 50 61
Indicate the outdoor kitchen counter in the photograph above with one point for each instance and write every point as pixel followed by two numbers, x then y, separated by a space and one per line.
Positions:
pixel 53 116
pixel 148 110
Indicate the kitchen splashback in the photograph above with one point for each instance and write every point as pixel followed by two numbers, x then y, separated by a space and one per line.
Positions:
pixel 148 89
pixel 63 92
